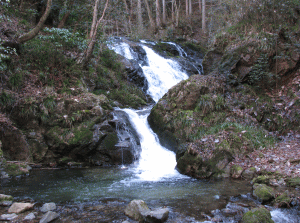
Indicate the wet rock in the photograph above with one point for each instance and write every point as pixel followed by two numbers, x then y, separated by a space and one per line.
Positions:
pixel 263 179
pixel 135 73
pixel 236 171
pixel 48 207
pixel 293 182
pixel 8 217
pixel 4 197
pixel 157 216
pixel 257 215
pixel 263 193
pixel 49 216
pixel 137 209
pixel 20 207
pixel 30 216
pixel 248 174
pixel 283 200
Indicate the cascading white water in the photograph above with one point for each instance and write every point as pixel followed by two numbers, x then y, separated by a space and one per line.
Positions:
pixel 156 162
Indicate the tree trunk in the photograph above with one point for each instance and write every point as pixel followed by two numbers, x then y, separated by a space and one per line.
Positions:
pixel 149 15
pixel 65 17
pixel 32 33
pixel 92 42
pixel 186 8
pixel 94 19
pixel 139 12
pixel 173 11
pixel 164 11
pixel 203 16
pixel 190 7
pixel 158 22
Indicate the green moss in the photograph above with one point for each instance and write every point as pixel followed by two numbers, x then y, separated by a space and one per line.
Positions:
pixel 264 179
pixel 110 141
pixel 5 198
pixel 257 215
pixel 293 182
pixel 263 192
pixel 283 198
pixel 14 169
pixel 65 160
pixel 81 135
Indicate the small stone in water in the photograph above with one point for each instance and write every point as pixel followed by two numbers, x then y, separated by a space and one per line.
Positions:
pixel 48 207
pixel 30 216
pixel 8 217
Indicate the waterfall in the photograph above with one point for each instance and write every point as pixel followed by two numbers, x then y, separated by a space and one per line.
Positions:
pixel 156 163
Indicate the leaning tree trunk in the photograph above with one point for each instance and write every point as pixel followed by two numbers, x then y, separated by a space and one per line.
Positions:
pixel 32 33
pixel 65 17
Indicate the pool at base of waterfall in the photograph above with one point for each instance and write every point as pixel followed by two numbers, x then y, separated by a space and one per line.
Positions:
pixel 186 196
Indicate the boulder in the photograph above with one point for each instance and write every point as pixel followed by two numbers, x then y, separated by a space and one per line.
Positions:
pixel 5 200
pixel 8 217
pixel 248 174
pixel 263 192
pixel 48 207
pixel 135 73
pixel 257 215
pixel 29 217
pixel 157 216
pixel 139 211
pixel 49 216
pixel 283 200
pixel 236 171
pixel 20 207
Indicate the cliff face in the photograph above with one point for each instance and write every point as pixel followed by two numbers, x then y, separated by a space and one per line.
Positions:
pixel 246 97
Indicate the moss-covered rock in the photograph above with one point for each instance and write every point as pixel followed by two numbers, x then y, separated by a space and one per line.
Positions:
pixel 248 174
pixel 257 215
pixel 236 171
pixel 283 200
pixel 262 179
pixel 263 192
pixel 4 197
pixel 16 168
pixel 293 182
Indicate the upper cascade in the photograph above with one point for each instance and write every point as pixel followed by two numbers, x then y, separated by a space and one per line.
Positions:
pixel 161 73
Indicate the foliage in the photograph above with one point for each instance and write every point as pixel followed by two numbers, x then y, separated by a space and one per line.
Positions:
pixel 260 74
pixel 5 56
pixel 109 59
pixel 63 38
pixel 6 99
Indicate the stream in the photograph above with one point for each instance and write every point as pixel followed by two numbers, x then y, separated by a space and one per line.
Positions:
pixel 153 178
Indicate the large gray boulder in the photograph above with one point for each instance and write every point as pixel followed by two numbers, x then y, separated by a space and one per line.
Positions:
pixel 136 210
